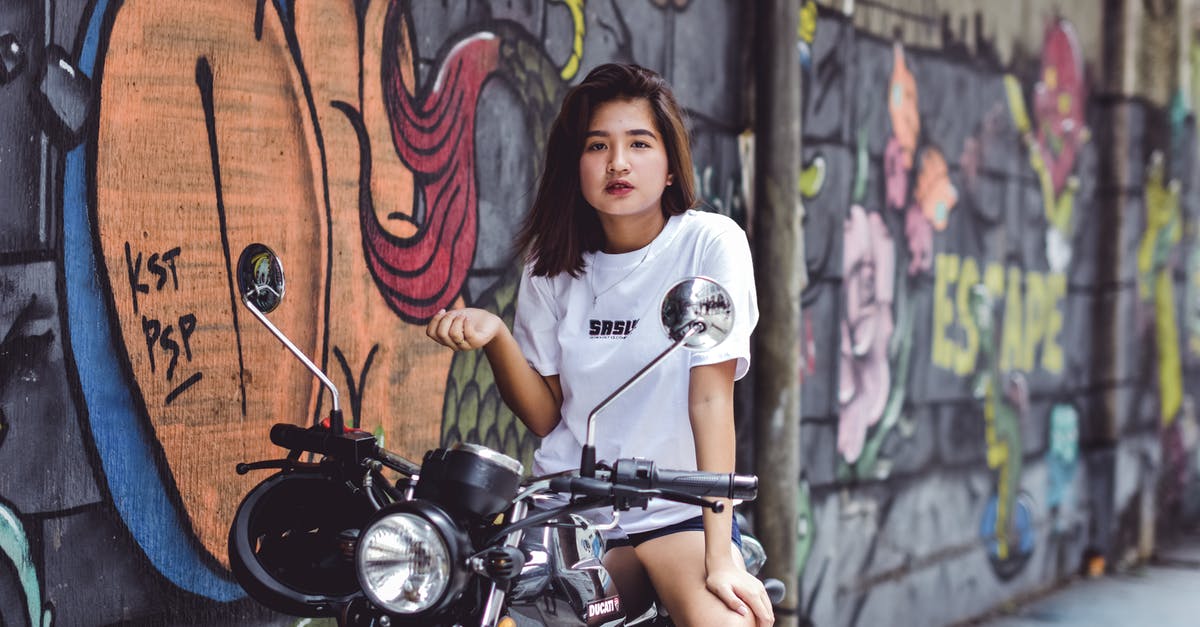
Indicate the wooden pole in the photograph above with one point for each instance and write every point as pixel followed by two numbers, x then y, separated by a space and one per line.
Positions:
pixel 780 274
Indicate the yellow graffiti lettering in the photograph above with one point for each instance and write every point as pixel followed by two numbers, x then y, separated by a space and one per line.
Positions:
pixel 1031 324
pixel 943 309
pixel 993 279
pixel 968 277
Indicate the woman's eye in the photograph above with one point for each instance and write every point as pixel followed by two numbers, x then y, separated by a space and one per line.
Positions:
pixel 640 144
pixel 596 146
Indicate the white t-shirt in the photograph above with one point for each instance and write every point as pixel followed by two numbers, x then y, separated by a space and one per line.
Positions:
pixel 595 348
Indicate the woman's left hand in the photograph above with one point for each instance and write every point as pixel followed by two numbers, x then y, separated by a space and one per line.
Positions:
pixel 464 329
pixel 742 592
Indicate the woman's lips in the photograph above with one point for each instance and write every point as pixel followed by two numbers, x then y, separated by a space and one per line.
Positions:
pixel 618 188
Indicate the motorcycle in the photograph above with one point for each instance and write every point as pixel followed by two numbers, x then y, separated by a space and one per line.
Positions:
pixel 461 538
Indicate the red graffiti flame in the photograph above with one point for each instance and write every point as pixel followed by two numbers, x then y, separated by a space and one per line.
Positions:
pixel 1059 99
pixel 435 137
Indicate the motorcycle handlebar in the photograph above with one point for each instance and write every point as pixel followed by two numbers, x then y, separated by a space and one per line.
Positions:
pixel 352 445
pixel 696 483
pixel 296 438
pixel 397 463
pixel 645 476
pixel 585 486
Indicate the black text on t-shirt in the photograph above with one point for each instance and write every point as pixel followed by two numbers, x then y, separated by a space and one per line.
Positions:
pixel 611 328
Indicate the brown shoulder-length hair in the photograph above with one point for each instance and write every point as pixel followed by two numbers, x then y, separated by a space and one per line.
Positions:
pixel 561 226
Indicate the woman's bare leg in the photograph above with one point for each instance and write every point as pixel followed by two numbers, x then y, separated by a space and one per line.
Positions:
pixel 631 580
pixel 675 564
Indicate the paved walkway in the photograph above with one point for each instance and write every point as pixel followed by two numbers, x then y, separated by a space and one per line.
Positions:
pixel 1163 593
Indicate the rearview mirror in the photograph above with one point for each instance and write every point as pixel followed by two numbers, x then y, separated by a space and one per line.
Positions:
pixel 698 304
pixel 260 284
pixel 260 277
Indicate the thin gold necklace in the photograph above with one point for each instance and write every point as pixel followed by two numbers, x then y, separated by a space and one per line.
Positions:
pixel 592 276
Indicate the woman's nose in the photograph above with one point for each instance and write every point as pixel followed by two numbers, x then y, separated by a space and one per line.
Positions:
pixel 618 163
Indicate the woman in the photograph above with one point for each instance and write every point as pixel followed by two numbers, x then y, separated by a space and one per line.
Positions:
pixel 610 230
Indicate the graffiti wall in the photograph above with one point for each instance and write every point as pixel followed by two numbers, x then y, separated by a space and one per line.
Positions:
pixel 385 149
pixel 999 335
pixel 962 445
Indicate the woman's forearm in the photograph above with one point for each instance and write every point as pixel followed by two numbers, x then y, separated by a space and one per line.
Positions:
pixel 710 406
pixel 533 398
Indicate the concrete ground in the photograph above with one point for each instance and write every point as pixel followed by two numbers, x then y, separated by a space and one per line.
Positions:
pixel 1164 592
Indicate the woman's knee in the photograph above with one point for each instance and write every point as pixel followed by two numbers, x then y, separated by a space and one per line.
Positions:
pixel 718 617
pixel 675 564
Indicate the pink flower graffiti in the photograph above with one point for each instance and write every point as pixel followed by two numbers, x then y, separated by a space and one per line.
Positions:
pixel 869 261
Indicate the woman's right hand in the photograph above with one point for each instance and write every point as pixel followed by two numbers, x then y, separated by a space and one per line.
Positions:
pixel 464 329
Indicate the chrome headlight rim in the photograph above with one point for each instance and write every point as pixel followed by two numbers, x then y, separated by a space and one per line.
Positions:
pixel 453 541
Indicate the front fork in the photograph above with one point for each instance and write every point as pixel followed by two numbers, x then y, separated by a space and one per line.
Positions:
pixel 494 606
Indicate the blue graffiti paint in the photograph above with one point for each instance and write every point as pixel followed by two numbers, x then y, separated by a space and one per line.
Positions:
pixel 125 447
pixel 1020 535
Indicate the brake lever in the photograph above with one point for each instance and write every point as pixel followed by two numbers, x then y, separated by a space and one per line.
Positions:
pixel 283 464
pixel 682 497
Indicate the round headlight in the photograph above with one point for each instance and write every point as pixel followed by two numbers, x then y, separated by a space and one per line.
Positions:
pixel 403 563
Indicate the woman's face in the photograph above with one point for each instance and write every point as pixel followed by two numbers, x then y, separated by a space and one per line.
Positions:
pixel 623 169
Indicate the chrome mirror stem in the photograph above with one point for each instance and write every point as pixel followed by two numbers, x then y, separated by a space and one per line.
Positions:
pixel 587 463
pixel 337 407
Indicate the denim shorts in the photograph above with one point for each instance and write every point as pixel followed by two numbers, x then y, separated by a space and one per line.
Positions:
pixel 691 524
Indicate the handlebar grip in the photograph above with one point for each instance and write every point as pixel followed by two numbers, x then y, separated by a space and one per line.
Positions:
pixel 397 463
pixel 351 446
pixel 296 438
pixel 561 484
pixel 697 483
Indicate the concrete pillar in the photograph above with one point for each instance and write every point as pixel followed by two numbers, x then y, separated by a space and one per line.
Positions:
pixel 780 276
